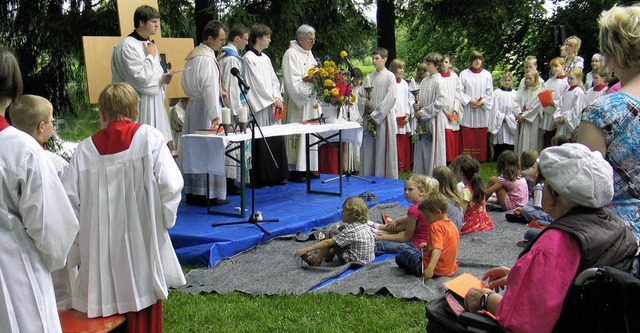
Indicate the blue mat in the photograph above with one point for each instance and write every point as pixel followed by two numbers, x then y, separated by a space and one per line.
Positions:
pixel 197 243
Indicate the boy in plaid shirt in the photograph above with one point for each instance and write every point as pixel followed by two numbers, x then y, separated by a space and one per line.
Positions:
pixel 353 244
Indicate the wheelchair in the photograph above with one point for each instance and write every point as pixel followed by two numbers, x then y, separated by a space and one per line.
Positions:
pixel 602 299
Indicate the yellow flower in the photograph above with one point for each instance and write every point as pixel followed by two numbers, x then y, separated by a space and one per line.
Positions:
pixel 315 106
pixel 328 83
pixel 326 91
pixel 343 54
pixel 332 64
pixel 311 71
pixel 323 72
pixel 353 98
pixel 335 91
pixel 326 63
pixel 341 98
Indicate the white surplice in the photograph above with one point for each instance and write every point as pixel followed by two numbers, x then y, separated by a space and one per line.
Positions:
pixel 502 122
pixel 259 74
pixel 528 129
pixel 404 105
pixel 300 100
pixel 475 85
pixel 37 230
pixel 453 94
pixel 593 94
pixel 232 59
pixel 202 84
pixel 559 87
pixel 125 203
pixel 430 148
pixel 379 156
pixel 144 72
pixel 573 102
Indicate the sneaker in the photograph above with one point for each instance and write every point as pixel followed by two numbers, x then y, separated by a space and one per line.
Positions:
pixel 523 243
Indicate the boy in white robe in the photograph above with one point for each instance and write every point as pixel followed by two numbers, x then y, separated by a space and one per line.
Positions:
pixel 379 154
pixel 127 262
pixel 202 84
pixel 558 85
pixel 300 100
pixel 430 148
pixel 37 226
pixel 34 116
pixel 263 97
pixel 136 60
pixel 502 122
pixel 599 85
pixel 453 109
pixel 477 99
pixel 230 58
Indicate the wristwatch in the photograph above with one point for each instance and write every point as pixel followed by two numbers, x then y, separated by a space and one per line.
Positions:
pixel 484 300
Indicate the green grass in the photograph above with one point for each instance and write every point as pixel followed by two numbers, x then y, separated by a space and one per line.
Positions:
pixel 80 127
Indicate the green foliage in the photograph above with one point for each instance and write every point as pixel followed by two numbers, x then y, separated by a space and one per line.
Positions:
pixel 79 127
pixel 287 313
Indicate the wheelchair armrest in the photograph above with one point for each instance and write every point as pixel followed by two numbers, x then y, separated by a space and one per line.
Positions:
pixel 479 323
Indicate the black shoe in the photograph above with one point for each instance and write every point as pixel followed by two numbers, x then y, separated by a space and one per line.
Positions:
pixel 315 175
pixel 218 202
pixel 196 200
pixel 297 177
pixel 232 188
pixel 511 217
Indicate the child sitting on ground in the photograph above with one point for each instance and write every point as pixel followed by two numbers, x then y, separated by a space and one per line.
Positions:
pixel 475 216
pixel 353 244
pixel 527 159
pixel 438 257
pixel 457 205
pixel 412 229
pixel 510 187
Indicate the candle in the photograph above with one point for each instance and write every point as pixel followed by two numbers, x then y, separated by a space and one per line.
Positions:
pixel 242 114
pixel 226 116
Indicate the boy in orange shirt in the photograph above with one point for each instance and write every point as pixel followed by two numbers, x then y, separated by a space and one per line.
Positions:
pixel 438 257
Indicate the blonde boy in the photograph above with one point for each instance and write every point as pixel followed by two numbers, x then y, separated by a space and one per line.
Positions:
pixel 354 244
pixel 439 258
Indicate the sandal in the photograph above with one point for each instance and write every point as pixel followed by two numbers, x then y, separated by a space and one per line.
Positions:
pixel 307 259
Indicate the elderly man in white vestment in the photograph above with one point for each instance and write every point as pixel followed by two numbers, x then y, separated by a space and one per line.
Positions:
pixel 37 223
pixel 379 155
pixel 136 60
pixel 229 58
pixel 202 84
pixel 300 99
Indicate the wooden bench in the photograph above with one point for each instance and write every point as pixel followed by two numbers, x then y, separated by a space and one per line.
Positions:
pixel 73 321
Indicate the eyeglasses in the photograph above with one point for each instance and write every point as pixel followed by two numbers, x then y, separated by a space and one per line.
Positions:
pixel 312 40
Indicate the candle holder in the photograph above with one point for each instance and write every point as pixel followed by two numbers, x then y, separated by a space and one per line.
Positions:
pixel 242 126
pixel 370 125
pixel 226 128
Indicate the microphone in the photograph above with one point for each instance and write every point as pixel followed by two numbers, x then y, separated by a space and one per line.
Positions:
pixel 243 85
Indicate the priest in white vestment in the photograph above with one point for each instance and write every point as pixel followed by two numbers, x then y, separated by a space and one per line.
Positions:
pixel 379 154
pixel 430 148
pixel 37 223
pixel 300 99
pixel 136 60
pixel 125 188
pixel 202 84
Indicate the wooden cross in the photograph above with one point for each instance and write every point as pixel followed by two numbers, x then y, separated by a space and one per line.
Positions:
pixel 98 49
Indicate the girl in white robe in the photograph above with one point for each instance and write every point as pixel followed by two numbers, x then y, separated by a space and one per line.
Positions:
pixel 558 85
pixel 529 116
pixel 125 188
pixel 599 86
pixel 502 122
pixel 573 102
pixel 430 148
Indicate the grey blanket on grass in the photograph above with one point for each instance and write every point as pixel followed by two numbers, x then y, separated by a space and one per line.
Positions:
pixel 272 268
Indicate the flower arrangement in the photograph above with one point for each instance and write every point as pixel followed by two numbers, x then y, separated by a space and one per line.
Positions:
pixel 331 84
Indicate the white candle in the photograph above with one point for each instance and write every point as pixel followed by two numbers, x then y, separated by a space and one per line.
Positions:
pixel 242 114
pixel 226 116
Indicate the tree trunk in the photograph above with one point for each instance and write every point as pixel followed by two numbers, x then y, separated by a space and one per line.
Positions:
pixel 205 11
pixel 386 17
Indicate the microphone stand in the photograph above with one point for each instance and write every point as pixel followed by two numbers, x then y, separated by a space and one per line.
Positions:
pixel 253 123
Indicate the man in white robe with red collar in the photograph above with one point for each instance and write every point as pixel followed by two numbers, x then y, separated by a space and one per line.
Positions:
pixel 300 99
